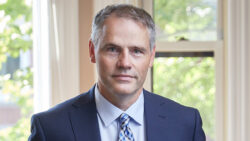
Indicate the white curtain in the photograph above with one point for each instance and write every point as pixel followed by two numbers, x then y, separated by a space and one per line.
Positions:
pixel 238 70
pixel 56 59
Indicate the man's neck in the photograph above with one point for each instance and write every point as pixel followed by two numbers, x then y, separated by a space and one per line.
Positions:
pixel 123 102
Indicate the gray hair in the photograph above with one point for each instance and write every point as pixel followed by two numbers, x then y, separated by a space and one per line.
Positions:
pixel 126 11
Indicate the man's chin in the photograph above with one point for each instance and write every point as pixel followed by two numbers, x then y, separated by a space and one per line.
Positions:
pixel 124 90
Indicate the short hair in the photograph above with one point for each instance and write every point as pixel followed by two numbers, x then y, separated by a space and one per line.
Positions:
pixel 126 11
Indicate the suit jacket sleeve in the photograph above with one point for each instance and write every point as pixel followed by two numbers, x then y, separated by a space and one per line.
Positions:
pixel 199 134
pixel 37 133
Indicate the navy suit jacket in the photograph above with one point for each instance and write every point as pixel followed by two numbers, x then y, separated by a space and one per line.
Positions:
pixel 76 120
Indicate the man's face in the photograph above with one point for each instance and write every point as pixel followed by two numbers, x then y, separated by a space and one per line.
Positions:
pixel 122 57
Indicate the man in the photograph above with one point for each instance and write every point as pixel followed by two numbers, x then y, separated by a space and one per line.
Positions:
pixel 117 108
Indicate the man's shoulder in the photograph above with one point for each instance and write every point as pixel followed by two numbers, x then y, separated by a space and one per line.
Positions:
pixel 181 114
pixel 64 107
pixel 167 103
pixel 172 118
pixel 57 122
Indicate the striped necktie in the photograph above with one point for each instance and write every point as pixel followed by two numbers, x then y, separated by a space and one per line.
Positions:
pixel 125 132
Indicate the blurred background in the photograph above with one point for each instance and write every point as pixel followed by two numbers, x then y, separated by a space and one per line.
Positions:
pixel 201 61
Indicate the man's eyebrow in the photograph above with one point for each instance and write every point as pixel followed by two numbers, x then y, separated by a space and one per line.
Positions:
pixel 111 45
pixel 139 47
pixel 115 45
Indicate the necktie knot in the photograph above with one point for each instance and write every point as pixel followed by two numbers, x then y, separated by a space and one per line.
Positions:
pixel 124 120
pixel 125 132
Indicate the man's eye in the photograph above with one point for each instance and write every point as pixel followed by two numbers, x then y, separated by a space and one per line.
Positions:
pixel 112 49
pixel 137 51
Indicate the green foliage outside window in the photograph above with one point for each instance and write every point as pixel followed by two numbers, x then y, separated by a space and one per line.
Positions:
pixel 189 81
pixel 191 19
pixel 15 37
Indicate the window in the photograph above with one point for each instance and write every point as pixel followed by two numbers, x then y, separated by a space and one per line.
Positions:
pixel 188 78
pixel 188 67
pixel 16 77
pixel 194 20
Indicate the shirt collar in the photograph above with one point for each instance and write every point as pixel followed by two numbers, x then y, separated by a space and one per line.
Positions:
pixel 109 112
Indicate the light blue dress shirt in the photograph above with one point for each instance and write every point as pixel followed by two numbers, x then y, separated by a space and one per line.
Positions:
pixel 108 118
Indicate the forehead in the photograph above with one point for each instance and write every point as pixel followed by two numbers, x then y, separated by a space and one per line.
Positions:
pixel 125 30
pixel 116 17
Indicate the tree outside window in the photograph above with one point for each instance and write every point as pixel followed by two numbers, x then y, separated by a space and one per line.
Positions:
pixel 16 76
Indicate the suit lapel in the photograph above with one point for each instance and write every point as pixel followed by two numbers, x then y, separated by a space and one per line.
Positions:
pixel 84 118
pixel 156 121
pixel 85 123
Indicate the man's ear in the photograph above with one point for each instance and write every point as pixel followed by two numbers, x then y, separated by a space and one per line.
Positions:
pixel 152 57
pixel 92 51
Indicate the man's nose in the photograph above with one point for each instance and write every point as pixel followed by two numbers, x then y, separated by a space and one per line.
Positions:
pixel 124 61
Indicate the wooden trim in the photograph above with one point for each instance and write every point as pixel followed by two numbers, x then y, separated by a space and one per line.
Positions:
pixel 87 69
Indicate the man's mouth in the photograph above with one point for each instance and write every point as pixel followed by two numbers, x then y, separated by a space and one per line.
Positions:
pixel 123 77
